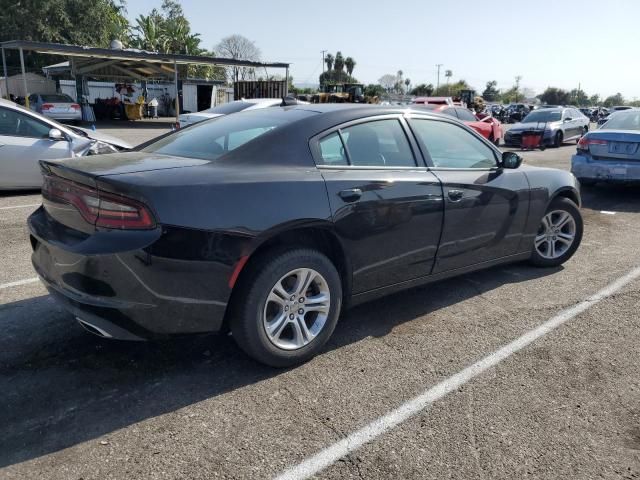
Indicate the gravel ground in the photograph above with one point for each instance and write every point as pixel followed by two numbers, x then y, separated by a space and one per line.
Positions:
pixel 567 406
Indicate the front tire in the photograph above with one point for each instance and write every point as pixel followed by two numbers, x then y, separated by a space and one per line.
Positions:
pixel 287 307
pixel 559 234
pixel 557 140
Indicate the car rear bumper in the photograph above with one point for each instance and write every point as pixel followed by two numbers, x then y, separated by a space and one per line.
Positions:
pixel 613 170
pixel 76 116
pixel 129 295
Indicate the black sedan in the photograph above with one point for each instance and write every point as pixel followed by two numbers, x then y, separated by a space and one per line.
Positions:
pixel 268 223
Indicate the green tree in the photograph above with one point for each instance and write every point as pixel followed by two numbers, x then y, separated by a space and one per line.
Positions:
pixel 329 59
pixel 614 100
pixel 350 64
pixel 90 22
pixel 452 89
pixel 491 93
pixel 407 82
pixel 338 64
pixel 423 90
pixel 555 96
pixel 594 100
pixel 374 90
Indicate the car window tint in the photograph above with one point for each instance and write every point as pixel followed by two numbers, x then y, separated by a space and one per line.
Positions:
pixel 451 146
pixel 332 150
pixel 380 143
pixel 213 138
pixel 465 115
pixel 18 124
pixel 450 111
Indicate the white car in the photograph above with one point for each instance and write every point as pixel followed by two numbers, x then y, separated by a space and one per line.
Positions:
pixel 56 105
pixel 233 107
pixel 27 137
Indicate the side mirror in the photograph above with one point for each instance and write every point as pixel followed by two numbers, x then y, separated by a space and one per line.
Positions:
pixel 510 160
pixel 56 135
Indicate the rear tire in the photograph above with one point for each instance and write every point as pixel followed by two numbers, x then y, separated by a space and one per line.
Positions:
pixel 559 234
pixel 273 320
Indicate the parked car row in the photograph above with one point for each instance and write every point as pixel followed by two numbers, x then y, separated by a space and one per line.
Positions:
pixel 559 125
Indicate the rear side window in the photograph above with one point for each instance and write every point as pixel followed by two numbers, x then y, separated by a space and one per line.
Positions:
pixel 465 115
pixel 450 146
pixel 380 143
pixel 211 139
pixel 332 150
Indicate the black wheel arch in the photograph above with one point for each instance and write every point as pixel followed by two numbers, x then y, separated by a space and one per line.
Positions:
pixel 318 235
pixel 566 192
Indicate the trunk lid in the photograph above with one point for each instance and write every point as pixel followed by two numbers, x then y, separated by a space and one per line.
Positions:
pixel 620 144
pixel 85 172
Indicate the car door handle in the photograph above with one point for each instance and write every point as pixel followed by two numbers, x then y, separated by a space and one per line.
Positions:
pixel 350 194
pixel 455 195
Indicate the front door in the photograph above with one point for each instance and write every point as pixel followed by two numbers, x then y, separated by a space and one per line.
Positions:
pixel 23 141
pixel 485 206
pixel 386 205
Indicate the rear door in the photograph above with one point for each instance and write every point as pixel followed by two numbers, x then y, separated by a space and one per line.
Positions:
pixel 386 205
pixel 485 206
pixel 23 141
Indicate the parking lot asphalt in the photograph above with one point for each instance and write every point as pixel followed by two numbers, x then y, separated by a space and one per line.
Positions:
pixel 565 406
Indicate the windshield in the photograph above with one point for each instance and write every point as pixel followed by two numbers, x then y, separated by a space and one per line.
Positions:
pixel 228 108
pixel 213 138
pixel 623 121
pixel 543 116
pixel 57 98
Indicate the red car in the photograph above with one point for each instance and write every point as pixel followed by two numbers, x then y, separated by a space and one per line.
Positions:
pixel 488 127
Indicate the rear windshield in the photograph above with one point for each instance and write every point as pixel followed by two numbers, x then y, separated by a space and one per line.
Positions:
pixel 543 116
pixel 623 121
pixel 57 98
pixel 213 138
pixel 228 108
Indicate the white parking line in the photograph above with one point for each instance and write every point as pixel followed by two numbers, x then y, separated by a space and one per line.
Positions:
pixel 381 425
pixel 18 283
pixel 20 206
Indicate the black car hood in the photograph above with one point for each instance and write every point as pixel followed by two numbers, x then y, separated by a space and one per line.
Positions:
pixel 126 162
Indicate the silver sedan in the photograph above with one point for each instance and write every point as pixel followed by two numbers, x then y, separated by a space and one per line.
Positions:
pixel 27 137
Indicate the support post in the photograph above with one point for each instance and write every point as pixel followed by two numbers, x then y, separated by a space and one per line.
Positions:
pixel 24 80
pixel 175 79
pixel 6 78
pixel 286 82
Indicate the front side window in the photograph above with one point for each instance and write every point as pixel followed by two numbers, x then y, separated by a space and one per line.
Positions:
pixel 450 146
pixel 465 115
pixel 14 123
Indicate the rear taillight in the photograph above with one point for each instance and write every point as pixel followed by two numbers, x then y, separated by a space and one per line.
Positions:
pixel 75 106
pixel 99 208
pixel 47 106
pixel 584 142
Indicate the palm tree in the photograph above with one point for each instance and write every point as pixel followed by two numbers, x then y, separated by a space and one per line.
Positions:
pixel 448 74
pixel 148 35
pixel 407 82
pixel 338 64
pixel 350 63
pixel 329 61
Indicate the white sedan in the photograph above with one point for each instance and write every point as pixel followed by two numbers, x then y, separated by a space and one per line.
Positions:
pixel 56 105
pixel 27 137
pixel 233 107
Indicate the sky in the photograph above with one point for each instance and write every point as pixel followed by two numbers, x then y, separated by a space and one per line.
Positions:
pixel 562 43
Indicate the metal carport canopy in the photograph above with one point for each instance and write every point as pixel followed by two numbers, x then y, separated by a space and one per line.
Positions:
pixel 127 61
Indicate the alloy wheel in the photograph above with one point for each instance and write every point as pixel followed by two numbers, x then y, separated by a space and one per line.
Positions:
pixel 556 234
pixel 297 309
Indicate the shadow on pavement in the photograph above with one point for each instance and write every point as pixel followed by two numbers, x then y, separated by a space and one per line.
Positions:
pixel 60 386
pixel 611 197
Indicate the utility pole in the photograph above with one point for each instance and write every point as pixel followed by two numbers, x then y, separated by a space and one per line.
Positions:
pixel 518 78
pixel 438 82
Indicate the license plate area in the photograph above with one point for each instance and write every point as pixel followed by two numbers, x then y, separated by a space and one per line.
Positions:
pixel 623 148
